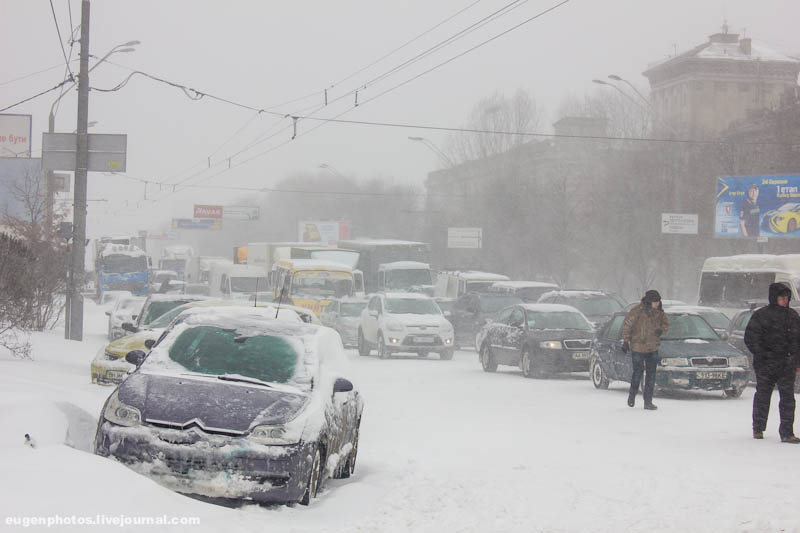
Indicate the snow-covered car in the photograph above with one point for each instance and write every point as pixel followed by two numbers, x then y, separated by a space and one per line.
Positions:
pixel 529 291
pixel 109 298
pixel 155 306
pixel 473 310
pixel 540 339
pixel 344 315
pixel 715 318
pixel 597 306
pixel 404 322
pixel 109 366
pixel 691 356
pixel 126 309
pixel 233 404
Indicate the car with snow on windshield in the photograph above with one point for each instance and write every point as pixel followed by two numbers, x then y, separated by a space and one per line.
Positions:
pixel 344 315
pixel 407 322
pixel 540 339
pixel 692 356
pixel 232 404
pixel 598 306
pixel 125 309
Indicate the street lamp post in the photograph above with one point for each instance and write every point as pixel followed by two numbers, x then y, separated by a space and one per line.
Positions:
pixel 435 149
pixel 332 170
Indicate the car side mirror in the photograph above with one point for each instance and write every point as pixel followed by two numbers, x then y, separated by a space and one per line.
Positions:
pixel 127 326
pixel 373 312
pixel 149 343
pixel 134 317
pixel 135 357
pixel 108 313
pixel 724 335
pixel 342 385
pixel 447 314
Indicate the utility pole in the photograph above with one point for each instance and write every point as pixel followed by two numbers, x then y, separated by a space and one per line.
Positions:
pixel 73 329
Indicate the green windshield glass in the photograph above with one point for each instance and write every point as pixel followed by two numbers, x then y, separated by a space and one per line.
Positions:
pixel 557 320
pixel 217 351
pixel 156 309
pixel 683 327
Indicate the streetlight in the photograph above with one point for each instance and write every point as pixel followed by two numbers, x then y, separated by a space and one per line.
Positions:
pixel 629 84
pixel 333 170
pixel 435 149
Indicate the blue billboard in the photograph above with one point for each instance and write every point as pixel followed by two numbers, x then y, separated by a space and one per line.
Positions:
pixel 757 206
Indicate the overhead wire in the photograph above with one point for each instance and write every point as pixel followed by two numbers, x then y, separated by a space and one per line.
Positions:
pixel 60 40
pixel 37 95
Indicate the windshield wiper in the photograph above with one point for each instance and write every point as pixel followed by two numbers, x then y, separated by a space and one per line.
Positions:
pixel 242 379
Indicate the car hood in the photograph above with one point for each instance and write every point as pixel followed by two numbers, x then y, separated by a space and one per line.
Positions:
pixel 410 319
pixel 560 334
pixel 180 402
pixel 121 347
pixel 697 349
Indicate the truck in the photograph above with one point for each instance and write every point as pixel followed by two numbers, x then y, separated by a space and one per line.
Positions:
pixel 176 258
pixel 237 282
pixel 121 267
pixel 376 252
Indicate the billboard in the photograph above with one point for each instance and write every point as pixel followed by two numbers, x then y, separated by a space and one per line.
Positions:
pixel 15 135
pixel 679 223
pixel 757 206
pixel 197 223
pixel 241 212
pixel 464 237
pixel 322 232
pixel 207 211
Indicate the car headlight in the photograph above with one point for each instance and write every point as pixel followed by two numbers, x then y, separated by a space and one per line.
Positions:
pixel 394 326
pixel 120 413
pixel 551 345
pixel 271 435
pixel 739 360
pixel 675 361
pixel 111 356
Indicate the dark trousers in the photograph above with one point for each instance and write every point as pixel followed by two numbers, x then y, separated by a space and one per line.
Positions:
pixel 766 380
pixel 644 363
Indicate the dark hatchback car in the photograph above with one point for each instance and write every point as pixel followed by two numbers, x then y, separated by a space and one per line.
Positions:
pixel 597 306
pixel 234 404
pixel 472 311
pixel 692 356
pixel 541 339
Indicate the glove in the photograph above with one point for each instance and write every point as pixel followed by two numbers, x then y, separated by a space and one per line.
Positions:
pixel 625 347
pixel 659 332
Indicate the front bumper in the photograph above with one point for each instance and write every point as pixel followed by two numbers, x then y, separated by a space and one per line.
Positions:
pixel 692 378
pixel 418 342
pixel 212 466
pixel 566 360
pixel 109 371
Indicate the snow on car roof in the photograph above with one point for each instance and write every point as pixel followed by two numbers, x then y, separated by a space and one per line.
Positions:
pixel 578 293
pixel 121 249
pixel 474 275
pixel 233 311
pixel 318 264
pixel 522 284
pixel 549 308
pixel 407 295
pixel 691 309
pixel 174 297
pixel 399 265
pixel 789 263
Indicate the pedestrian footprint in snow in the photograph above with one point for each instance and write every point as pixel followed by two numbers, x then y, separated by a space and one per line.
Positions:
pixel 29 441
pixel 641 333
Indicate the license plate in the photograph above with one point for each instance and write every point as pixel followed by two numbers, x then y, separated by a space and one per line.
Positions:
pixel 580 355
pixel 712 375
pixel 424 339
pixel 111 374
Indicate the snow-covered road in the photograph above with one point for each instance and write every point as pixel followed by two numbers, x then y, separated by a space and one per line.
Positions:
pixel 444 447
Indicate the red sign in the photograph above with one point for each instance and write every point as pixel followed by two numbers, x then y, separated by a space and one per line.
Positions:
pixel 207 211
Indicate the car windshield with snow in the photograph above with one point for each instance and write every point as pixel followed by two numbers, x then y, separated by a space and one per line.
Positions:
pixel 597 306
pixel 691 356
pixel 224 379
pixel 540 339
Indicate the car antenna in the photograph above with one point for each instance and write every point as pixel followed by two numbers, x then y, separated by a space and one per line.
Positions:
pixel 255 299
pixel 280 298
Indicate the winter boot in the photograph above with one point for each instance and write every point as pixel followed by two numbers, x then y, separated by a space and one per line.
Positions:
pixel 631 400
pixel 791 439
pixel 758 434
pixel 650 407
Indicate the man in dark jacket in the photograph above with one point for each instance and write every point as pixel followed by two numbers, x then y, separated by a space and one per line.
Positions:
pixel 641 333
pixel 773 335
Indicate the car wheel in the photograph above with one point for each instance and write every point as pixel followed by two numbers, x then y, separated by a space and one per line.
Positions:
pixel 598 375
pixel 487 359
pixel 525 363
pixel 446 355
pixel 313 479
pixel 363 348
pixel 350 466
pixel 383 350
pixel 734 393
pixel 792 226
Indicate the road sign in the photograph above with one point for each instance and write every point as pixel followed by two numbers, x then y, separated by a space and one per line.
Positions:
pixel 678 223
pixel 107 152
pixel 197 223
pixel 464 237
pixel 241 212
pixel 207 211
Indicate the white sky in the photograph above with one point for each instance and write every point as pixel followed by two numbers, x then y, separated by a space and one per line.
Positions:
pixel 264 53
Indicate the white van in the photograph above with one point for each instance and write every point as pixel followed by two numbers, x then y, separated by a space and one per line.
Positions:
pixel 733 282
pixel 236 281
pixel 456 284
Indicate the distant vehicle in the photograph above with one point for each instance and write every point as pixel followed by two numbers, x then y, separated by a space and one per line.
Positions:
pixel 715 318
pixel 376 252
pixel 473 310
pixel 158 277
pixel 344 315
pixel 199 268
pixel 126 309
pixel 406 276
pixel 597 306
pixel 121 267
pixel 456 284
pixel 176 258
pixel 540 339
pixel 785 219
pixel 312 283
pixel 156 305
pixel 691 356
pixel 296 420
pixel 731 283
pixel 200 289
pixel 664 303
pixel 529 291
pixel 110 298
pixel 236 281
pixel 404 322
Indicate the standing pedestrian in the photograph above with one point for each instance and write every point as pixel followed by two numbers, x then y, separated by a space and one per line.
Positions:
pixel 641 334
pixel 773 335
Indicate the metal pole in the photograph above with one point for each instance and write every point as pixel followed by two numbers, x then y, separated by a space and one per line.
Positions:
pixel 75 324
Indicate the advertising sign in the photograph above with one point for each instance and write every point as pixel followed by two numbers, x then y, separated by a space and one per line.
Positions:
pixel 757 206
pixel 240 212
pixel 197 223
pixel 678 223
pixel 15 135
pixel 322 232
pixel 207 211
pixel 464 237
pixel 107 152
